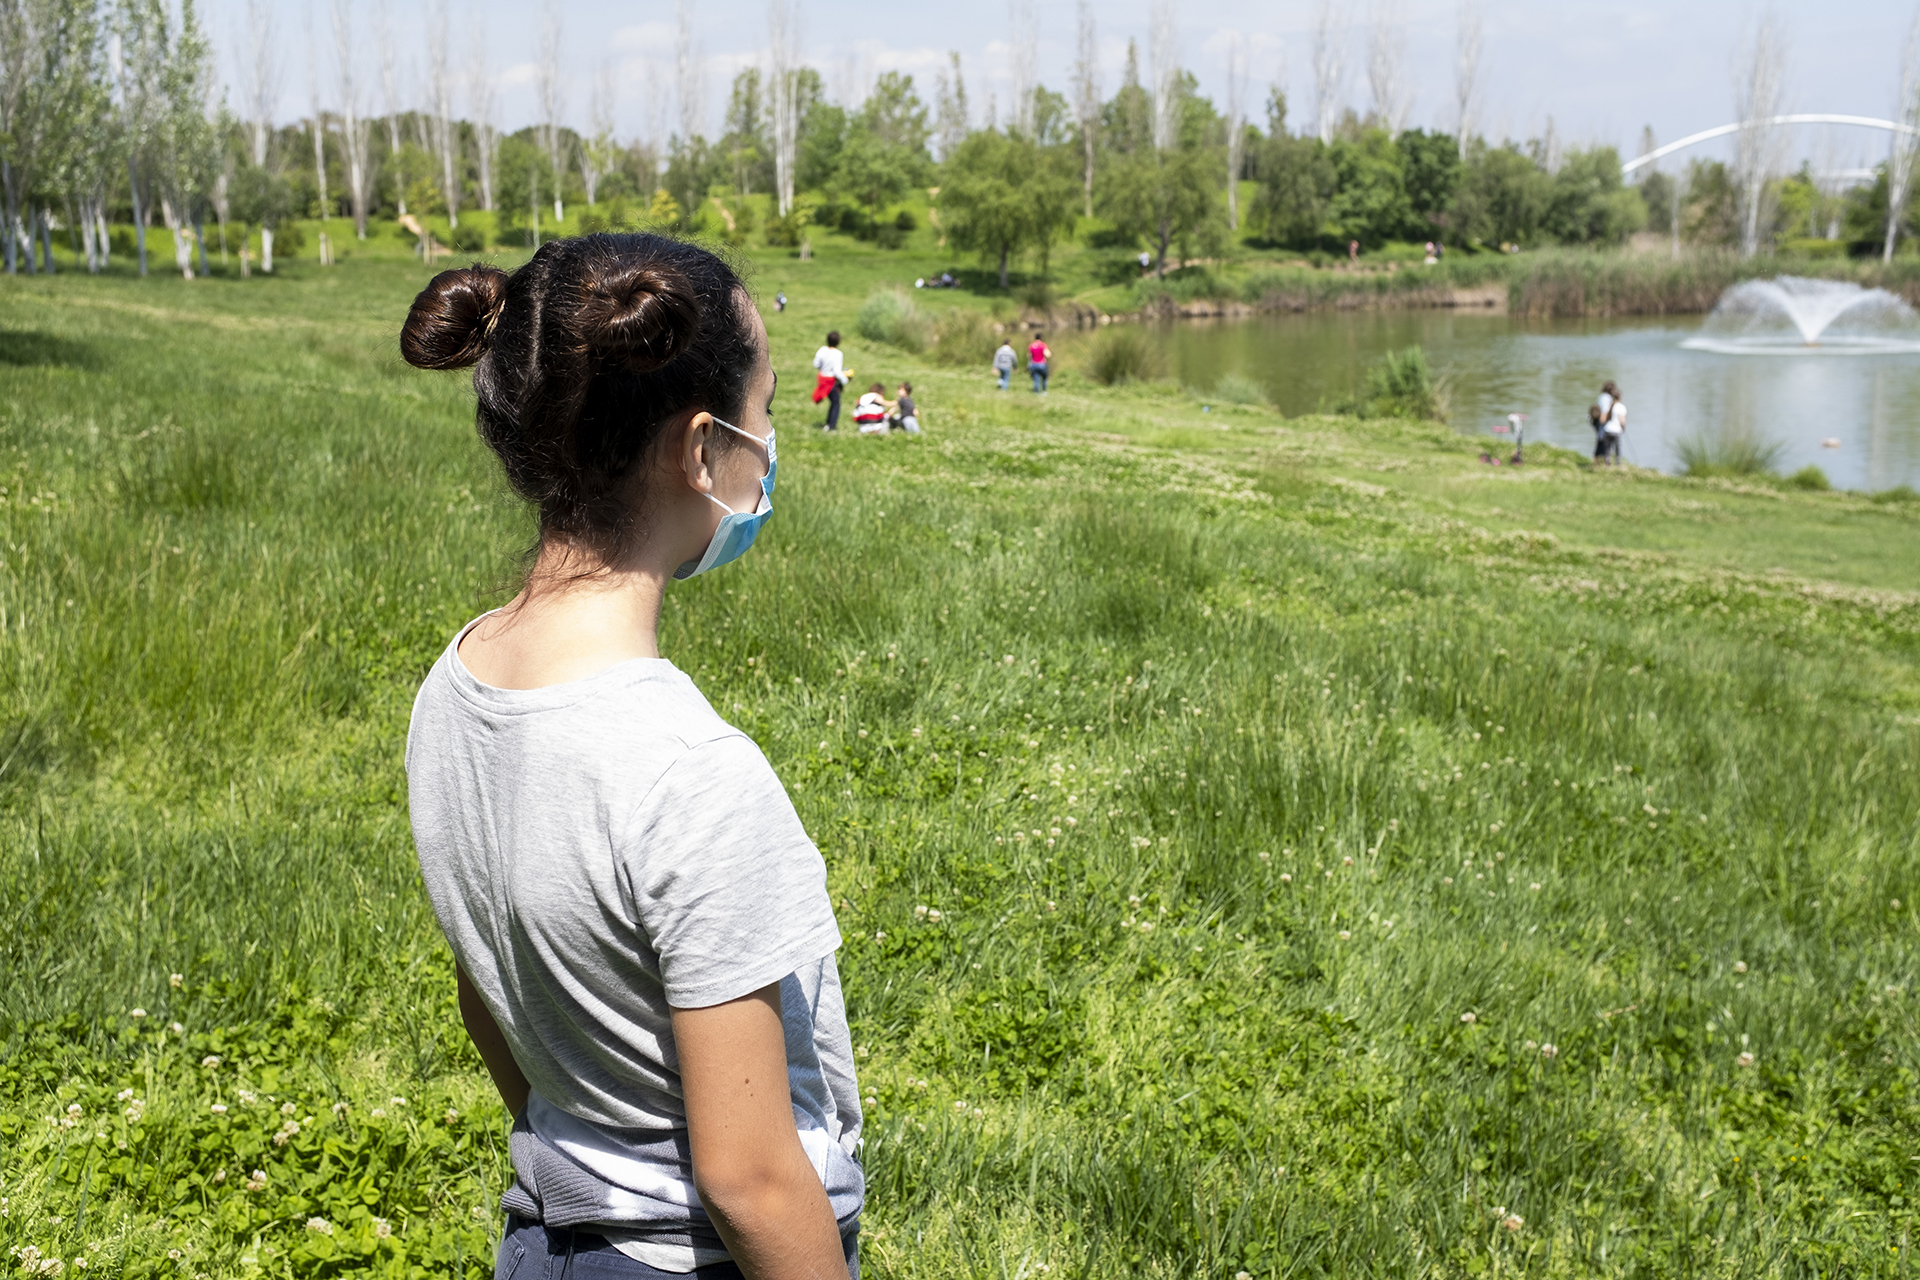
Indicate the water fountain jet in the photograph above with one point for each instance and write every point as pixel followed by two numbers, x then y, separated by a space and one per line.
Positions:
pixel 1793 315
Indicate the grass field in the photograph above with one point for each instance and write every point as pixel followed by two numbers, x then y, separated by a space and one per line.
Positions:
pixel 1279 846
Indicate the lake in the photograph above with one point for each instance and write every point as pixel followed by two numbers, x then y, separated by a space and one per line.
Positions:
pixel 1552 370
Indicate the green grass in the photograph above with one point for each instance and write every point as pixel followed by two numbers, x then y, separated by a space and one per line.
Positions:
pixel 1230 750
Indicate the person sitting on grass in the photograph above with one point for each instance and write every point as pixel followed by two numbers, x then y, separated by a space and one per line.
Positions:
pixel 901 414
pixel 870 411
pixel 643 939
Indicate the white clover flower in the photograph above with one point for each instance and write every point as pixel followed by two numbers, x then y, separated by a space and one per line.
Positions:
pixel 74 1110
pixel 320 1225
pixel 339 1108
pixel 933 915
pixel 211 1060
pixel 396 1101
pixel 1535 887
pixel 137 1013
pixel 1343 935
pixel 287 1108
pixel 1744 1060
pixel 1549 1051
pixel 125 1095
pixel 880 936
pixel 378 1113
pixel 382 1229
pixel 1513 1222
pixel 1469 1017
pixel 1286 877
pixel 219 1108
pixel 175 981
pixel 176 1028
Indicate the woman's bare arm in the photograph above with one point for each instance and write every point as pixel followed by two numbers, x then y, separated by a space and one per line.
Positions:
pixel 486 1037
pixel 752 1174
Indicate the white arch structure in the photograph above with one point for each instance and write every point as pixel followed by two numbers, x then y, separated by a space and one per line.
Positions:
pixel 1865 122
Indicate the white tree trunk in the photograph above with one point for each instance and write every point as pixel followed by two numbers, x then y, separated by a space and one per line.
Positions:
pixel 182 238
pixel 266 250
pixel 1466 72
pixel 782 21
pixel 1164 49
pixel 1329 70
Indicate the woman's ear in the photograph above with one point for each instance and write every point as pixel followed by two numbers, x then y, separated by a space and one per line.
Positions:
pixel 692 452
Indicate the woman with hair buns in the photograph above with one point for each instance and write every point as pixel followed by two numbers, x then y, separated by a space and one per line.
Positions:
pixel 644 940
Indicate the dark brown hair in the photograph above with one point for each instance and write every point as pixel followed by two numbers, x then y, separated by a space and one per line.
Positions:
pixel 582 356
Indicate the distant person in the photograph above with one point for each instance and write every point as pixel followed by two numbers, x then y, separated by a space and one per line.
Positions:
pixel 1616 430
pixel 870 411
pixel 1003 361
pixel 780 301
pixel 833 374
pixel 1597 419
pixel 1146 259
pixel 1433 253
pixel 1613 424
pixel 902 415
pixel 1353 251
pixel 1038 354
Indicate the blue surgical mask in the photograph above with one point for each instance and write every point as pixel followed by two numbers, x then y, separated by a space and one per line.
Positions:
pixel 737 528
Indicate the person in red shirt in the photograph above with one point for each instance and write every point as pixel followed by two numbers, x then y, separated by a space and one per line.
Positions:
pixel 1038 357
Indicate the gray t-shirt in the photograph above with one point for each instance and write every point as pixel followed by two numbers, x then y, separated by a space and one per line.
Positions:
pixel 597 852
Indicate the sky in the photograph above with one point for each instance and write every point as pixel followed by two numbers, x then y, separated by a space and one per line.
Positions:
pixel 1602 70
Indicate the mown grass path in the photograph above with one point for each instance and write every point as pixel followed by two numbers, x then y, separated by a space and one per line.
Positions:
pixel 1273 846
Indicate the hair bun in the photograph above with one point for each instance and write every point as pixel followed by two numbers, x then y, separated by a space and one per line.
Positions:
pixel 453 317
pixel 641 314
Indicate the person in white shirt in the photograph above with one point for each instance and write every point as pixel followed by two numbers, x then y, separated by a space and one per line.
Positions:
pixel 1613 419
pixel 832 367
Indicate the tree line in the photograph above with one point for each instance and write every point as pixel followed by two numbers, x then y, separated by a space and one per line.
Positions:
pixel 110 115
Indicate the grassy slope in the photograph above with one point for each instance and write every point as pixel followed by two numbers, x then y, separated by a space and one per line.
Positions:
pixel 1327 698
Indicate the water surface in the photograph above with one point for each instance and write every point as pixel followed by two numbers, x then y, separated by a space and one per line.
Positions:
pixel 1552 370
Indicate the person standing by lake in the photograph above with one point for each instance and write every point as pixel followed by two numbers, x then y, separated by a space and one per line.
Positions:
pixel 832 369
pixel 642 933
pixel 1613 424
pixel 1003 361
pixel 1038 356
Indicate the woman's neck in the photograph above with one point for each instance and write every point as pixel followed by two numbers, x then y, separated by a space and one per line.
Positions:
pixel 566 624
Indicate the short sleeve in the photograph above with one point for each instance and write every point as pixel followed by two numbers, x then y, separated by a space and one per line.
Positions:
pixel 729 889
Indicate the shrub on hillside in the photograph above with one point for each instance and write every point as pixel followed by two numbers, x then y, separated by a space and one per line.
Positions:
pixel 1732 453
pixel 1124 353
pixel 890 316
pixel 1403 385
pixel 1810 477
pixel 964 336
pixel 1238 388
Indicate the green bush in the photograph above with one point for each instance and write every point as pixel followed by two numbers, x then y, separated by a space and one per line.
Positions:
pixel 1810 477
pixel 786 233
pixel 1731 453
pixel 890 316
pixel 1900 493
pixel 288 239
pixel 964 336
pixel 1403 385
pixel 1124 353
pixel 906 221
pixel 1238 388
